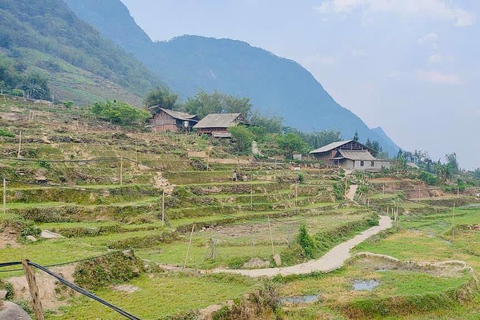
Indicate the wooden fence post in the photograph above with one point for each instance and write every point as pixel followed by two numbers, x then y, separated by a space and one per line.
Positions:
pixel 251 192
pixel 19 145
pixel 271 238
pixel 4 196
pixel 189 245
pixel 453 222
pixel 32 286
pixel 163 208
pixel 121 170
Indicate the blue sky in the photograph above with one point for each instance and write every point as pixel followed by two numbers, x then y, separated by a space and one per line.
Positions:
pixel 409 66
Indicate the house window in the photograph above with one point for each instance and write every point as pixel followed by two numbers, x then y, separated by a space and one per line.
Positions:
pixel 362 163
pixel 372 164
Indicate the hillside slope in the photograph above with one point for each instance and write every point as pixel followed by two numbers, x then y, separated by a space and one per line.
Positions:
pixel 190 63
pixel 82 66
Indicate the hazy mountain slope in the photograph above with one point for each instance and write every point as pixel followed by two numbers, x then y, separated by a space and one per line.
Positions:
pixel 190 63
pixel 48 36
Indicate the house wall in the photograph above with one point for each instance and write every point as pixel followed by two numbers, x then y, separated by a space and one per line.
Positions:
pixel 163 122
pixel 378 165
pixel 348 164
pixel 210 130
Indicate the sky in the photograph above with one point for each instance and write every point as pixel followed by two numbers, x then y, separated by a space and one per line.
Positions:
pixel 409 66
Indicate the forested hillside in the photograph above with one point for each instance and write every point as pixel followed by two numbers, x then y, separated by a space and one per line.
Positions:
pixel 190 63
pixel 49 39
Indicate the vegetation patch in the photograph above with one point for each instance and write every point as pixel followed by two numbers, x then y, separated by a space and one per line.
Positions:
pixel 109 269
pixel 144 242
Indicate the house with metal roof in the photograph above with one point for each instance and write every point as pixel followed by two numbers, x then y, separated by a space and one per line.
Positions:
pixel 351 155
pixel 217 124
pixel 174 121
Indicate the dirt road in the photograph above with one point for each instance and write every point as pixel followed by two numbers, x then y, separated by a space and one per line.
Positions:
pixel 332 260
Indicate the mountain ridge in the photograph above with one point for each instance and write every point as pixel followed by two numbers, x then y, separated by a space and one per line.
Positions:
pixel 190 63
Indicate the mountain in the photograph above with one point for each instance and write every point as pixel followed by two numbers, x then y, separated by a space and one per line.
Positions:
pixel 190 63
pixel 81 65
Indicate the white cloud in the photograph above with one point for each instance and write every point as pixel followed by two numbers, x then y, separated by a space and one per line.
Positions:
pixel 438 9
pixel 436 77
pixel 439 58
pixel 429 39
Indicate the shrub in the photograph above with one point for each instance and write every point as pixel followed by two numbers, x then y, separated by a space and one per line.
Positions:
pixel 306 242
pixel 112 268
pixel 6 133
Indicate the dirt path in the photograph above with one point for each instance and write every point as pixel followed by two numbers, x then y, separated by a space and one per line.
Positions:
pixel 332 260
pixel 351 193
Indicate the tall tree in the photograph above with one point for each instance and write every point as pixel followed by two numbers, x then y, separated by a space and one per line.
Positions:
pixel 356 137
pixel 160 98
pixel 204 103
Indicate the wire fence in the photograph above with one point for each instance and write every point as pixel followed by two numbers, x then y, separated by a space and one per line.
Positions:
pixel 73 287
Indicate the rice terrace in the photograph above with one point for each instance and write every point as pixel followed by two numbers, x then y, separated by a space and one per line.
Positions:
pixel 129 216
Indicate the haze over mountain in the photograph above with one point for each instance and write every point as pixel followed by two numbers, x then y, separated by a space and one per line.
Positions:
pixel 46 36
pixel 190 63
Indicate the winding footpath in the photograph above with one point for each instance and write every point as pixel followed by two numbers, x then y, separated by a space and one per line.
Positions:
pixel 332 260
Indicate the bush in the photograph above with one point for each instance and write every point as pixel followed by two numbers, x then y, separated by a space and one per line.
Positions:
pixel 112 268
pixel 306 242
pixel 6 133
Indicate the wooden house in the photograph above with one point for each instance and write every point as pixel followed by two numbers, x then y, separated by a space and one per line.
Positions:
pixel 217 124
pixel 350 155
pixel 173 121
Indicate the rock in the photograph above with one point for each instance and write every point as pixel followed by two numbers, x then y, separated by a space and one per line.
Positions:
pixel 3 294
pixel 277 259
pixel 31 238
pixel 256 263
pixel 126 288
pixel 50 235
pixel 9 310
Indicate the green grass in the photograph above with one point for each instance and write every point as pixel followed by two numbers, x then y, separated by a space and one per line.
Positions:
pixel 161 296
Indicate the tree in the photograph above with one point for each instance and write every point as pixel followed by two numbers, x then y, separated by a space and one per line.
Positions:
pixel 119 113
pixel 356 137
pixel 291 143
pixel 35 86
pixel 271 124
pixel 204 103
pixel 160 98
pixel 306 242
pixel 452 162
pixel 242 137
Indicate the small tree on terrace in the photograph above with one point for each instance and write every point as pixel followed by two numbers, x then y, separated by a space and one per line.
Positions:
pixel 242 137
pixel 291 143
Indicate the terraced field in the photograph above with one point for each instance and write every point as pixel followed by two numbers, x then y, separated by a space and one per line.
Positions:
pixel 105 189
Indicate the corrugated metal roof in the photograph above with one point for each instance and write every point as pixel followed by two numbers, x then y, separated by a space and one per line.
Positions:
pixel 359 155
pixel 180 115
pixel 218 120
pixel 331 146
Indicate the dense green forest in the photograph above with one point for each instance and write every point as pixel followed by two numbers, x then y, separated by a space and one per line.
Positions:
pixel 50 27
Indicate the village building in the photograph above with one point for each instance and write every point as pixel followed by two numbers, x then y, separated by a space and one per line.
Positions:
pixel 350 155
pixel 173 121
pixel 217 124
